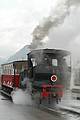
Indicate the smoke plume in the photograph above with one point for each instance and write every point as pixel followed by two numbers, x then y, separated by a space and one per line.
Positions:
pixel 56 18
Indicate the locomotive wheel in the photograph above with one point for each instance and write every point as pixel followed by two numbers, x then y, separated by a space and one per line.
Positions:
pixel 49 99
pixel 57 99
pixel 60 99
pixel 37 99
pixel 40 101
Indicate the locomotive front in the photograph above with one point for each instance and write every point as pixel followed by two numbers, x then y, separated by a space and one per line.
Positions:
pixel 49 73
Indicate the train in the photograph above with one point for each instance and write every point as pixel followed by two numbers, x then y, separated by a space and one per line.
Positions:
pixel 44 74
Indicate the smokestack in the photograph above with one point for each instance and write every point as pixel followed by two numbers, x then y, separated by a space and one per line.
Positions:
pixel 56 18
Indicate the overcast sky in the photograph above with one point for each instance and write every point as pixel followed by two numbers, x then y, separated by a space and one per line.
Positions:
pixel 17 21
pixel 18 18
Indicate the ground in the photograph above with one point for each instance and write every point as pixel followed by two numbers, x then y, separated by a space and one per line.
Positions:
pixel 11 111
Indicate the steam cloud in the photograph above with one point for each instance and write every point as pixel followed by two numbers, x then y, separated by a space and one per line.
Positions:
pixel 56 18
pixel 21 97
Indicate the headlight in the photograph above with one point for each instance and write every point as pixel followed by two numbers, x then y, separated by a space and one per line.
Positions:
pixel 53 78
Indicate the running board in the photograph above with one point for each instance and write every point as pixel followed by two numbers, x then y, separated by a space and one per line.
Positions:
pixel 5 93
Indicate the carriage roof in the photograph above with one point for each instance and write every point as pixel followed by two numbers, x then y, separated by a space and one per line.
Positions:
pixel 14 62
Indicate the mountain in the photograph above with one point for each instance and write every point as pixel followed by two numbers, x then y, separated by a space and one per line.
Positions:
pixel 20 55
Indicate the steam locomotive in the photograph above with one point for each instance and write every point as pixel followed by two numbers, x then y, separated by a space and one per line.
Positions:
pixel 44 74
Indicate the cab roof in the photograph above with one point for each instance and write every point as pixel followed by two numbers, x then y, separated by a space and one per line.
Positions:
pixel 57 52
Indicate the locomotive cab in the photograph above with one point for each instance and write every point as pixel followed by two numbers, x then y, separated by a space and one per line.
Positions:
pixel 49 69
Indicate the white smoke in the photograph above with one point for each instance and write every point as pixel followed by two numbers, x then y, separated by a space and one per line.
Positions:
pixel 21 97
pixel 56 17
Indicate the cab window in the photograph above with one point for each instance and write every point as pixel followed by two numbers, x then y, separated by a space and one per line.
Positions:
pixel 34 62
pixel 54 62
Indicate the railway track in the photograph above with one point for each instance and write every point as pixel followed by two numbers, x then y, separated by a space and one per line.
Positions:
pixel 65 113
pixel 68 113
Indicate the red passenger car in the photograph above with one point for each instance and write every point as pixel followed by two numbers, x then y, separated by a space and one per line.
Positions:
pixel 11 75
